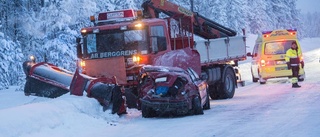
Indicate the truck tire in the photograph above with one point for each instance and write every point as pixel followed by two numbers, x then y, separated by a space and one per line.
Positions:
pixel 213 92
pixel 132 98
pixel 228 86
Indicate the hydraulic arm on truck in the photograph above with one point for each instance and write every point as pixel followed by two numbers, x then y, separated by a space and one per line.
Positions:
pixel 202 26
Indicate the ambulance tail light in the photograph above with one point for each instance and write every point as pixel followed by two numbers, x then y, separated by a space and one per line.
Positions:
pixel 267 63
pixel 262 63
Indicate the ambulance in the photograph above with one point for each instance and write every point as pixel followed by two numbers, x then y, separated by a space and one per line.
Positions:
pixel 268 55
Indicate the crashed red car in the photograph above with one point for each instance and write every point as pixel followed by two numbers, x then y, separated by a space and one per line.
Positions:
pixel 171 91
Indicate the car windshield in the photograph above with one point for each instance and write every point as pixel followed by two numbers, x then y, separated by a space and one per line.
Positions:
pixel 116 43
pixel 277 47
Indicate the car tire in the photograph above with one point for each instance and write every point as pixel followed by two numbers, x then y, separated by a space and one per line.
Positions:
pixel 196 106
pixel 146 111
pixel 254 79
pixel 207 104
pixel 262 81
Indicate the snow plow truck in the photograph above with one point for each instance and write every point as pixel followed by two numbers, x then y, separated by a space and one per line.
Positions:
pixel 121 42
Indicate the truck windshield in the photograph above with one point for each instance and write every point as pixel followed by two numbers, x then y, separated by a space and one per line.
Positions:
pixel 113 43
pixel 277 47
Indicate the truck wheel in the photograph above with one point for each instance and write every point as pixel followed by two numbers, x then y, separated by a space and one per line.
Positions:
pixel 213 92
pixel 131 97
pixel 196 106
pixel 228 85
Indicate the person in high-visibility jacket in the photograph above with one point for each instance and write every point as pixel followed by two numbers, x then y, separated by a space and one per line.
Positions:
pixel 293 62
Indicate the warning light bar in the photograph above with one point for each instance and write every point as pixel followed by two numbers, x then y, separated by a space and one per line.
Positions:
pixel 130 13
pixel 275 33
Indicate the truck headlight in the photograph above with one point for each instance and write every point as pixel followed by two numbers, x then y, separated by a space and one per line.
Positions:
pixel 136 59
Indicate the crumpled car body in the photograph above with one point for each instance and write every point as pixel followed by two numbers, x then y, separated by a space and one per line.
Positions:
pixel 171 91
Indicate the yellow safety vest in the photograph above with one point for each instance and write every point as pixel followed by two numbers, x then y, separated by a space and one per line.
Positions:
pixel 293 56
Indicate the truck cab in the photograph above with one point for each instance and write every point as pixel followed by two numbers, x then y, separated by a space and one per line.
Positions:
pixel 268 55
pixel 121 43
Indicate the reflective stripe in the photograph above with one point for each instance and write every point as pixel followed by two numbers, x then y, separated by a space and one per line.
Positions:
pixel 294 64
pixel 294 80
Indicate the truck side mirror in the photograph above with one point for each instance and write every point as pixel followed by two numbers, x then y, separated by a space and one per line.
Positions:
pixel 79 48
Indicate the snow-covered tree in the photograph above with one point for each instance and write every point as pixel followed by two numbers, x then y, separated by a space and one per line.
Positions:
pixel 236 14
pixel 258 20
pixel 10 56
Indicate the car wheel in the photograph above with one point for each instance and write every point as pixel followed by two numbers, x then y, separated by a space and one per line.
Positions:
pixel 254 79
pixel 196 106
pixel 207 104
pixel 262 80
pixel 146 111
